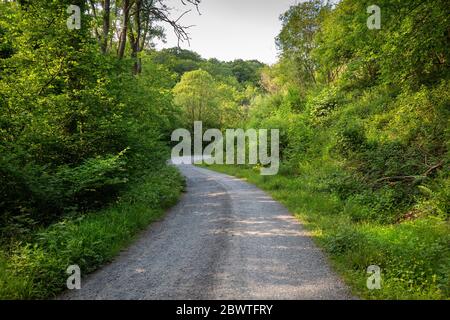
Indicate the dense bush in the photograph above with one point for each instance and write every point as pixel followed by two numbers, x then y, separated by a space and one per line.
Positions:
pixel 323 104
pixel 37 268
pixel 75 125
pixel 365 141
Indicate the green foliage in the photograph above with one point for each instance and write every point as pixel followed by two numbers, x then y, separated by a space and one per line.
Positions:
pixel 76 125
pixel 364 138
pixel 177 60
pixel 435 198
pixel 323 104
pixel 413 256
pixel 83 146
pixel 300 25
pixel 196 94
pixel 411 48
pixel 350 139
pixel 384 128
pixel 239 72
pixel 37 268
pixel 217 104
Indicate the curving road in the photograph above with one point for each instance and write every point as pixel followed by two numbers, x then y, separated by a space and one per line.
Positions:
pixel 226 239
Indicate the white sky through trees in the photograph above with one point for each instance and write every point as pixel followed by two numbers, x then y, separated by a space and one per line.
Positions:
pixel 231 29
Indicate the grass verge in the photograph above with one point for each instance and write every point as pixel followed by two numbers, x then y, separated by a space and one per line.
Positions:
pixel 414 256
pixel 36 269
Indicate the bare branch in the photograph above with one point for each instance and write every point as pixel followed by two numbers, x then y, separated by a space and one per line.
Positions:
pixel 424 175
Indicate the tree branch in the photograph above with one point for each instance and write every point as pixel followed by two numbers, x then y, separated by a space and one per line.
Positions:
pixel 424 175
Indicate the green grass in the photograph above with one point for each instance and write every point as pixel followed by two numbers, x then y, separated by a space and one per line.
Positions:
pixel 36 269
pixel 414 256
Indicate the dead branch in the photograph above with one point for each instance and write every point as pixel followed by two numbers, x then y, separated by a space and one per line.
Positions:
pixel 422 176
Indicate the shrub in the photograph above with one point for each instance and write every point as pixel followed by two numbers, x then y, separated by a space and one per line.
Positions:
pixel 344 240
pixel 322 105
pixel 36 268
pixel 351 139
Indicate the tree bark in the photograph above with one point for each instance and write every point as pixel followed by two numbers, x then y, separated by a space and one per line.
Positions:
pixel 135 48
pixel 106 25
pixel 123 35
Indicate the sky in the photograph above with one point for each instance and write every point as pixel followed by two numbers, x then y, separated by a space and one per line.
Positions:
pixel 231 29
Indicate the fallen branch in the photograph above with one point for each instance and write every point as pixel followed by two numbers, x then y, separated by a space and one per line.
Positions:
pixel 422 176
pixel 431 169
pixel 399 178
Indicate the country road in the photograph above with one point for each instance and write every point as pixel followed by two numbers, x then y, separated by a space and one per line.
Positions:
pixel 225 239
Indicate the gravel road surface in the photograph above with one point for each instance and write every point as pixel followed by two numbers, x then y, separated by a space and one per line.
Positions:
pixel 226 239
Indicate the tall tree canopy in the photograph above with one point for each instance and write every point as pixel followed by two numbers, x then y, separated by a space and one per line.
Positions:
pixel 75 124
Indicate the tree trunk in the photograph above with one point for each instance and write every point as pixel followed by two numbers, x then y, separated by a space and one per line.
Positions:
pixel 106 25
pixel 136 43
pixel 123 35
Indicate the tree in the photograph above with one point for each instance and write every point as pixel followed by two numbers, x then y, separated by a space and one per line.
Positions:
pixel 411 48
pixel 296 39
pixel 75 125
pixel 197 94
pixel 133 22
pixel 246 71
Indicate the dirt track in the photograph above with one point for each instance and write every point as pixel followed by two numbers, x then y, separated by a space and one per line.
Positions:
pixel 226 239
